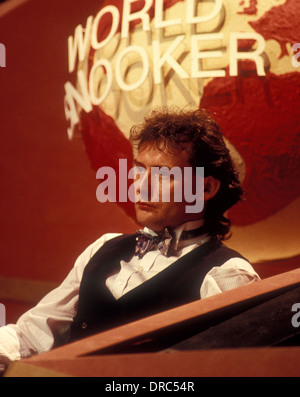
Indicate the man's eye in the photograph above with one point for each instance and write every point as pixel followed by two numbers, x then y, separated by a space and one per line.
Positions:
pixel 138 171
pixel 165 175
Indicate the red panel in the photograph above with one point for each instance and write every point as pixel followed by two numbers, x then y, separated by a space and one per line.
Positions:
pixel 48 188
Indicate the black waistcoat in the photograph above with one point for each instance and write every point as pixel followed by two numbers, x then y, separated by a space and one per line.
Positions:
pixel 176 285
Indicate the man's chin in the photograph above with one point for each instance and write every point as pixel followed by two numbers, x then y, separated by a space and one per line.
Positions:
pixel 147 219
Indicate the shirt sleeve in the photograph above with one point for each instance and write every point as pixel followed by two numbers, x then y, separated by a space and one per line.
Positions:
pixel 36 330
pixel 234 273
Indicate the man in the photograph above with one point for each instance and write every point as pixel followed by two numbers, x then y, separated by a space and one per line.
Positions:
pixel 176 259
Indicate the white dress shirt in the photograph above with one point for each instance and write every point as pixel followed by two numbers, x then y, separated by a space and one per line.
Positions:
pixel 34 331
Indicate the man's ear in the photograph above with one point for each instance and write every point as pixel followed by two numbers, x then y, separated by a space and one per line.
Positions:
pixel 211 187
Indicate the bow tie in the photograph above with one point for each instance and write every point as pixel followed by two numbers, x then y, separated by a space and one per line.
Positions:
pixel 146 242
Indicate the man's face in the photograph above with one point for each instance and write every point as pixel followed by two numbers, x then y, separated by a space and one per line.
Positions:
pixel 161 214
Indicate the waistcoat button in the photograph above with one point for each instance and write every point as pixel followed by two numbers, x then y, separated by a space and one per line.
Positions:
pixel 84 325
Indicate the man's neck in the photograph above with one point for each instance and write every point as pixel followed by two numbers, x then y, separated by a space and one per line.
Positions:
pixel 181 230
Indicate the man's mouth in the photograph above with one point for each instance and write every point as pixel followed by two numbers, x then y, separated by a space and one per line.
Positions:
pixel 146 206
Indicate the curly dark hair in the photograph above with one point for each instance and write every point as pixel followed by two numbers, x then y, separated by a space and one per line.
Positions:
pixel 199 134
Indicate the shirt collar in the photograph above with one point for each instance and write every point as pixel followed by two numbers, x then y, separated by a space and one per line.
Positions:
pixel 177 231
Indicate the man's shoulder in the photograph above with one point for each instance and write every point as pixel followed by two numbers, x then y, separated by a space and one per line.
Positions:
pixel 91 249
pixel 97 244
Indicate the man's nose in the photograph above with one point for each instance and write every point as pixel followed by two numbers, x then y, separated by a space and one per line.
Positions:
pixel 144 186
